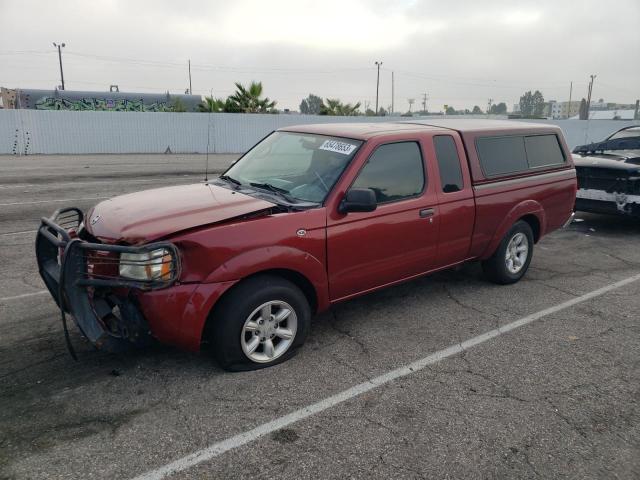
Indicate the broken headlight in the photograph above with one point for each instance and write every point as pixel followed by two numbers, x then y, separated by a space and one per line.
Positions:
pixel 154 265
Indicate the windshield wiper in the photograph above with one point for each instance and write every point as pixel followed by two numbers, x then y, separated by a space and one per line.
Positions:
pixel 230 180
pixel 272 188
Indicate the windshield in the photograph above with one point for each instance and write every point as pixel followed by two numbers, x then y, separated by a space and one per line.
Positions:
pixel 301 166
pixel 626 133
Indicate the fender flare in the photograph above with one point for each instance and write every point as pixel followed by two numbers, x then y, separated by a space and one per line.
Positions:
pixel 527 207
pixel 275 258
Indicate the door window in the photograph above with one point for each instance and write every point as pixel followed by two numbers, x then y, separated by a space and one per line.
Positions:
pixel 395 171
pixel 448 163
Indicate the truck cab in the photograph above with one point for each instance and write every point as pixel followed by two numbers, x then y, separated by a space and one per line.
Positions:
pixel 311 216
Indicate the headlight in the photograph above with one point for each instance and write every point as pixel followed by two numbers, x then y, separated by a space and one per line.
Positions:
pixel 153 265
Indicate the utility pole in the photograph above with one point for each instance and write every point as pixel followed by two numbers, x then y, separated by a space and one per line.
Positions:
pixel 59 46
pixel 489 103
pixel 425 97
pixel 190 89
pixel 593 77
pixel 392 95
pixel 378 64
pixel 570 93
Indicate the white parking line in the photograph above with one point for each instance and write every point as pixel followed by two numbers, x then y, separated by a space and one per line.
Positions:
pixel 51 201
pixel 17 233
pixel 97 182
pixel 24 295
pixel 243 438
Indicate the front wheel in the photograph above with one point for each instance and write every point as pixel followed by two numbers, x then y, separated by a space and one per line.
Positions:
pixel 511 259
pixel 260 323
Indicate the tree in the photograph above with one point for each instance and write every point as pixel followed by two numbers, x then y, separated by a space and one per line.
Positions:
pixel 177 105
pixel 498 109
pixel 476 110
pixel 333 106
pixel 382 112
pixel 249 100
pixel 538 103
pixel 532 104
pixel 369 113
pixel 211 104
pixel 450 111
pixel 582 113
pixel 311 105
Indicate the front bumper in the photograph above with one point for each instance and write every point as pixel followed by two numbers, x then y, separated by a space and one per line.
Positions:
pixel 613 203
pixel 83 279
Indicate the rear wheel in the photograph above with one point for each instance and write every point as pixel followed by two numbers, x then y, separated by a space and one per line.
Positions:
pixel 511 259
pixel 260 323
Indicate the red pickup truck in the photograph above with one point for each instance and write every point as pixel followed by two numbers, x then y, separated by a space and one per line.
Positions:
pixel 310 216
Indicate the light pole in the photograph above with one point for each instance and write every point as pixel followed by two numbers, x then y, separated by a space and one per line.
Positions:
pixel 378 64
pixel 570 94
pixel 59 46
pixel 593 77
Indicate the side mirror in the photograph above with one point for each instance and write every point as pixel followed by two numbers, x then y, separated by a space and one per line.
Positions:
pixel 358 200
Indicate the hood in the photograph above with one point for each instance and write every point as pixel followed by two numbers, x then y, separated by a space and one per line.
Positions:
pixel 152 214
pixel 613 161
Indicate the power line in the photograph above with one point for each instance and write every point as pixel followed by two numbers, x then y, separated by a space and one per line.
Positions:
pixel 25 52
pixel 467 81
pixel 205 66
pixel 480 83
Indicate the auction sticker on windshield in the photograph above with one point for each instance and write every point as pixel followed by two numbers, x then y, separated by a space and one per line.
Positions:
pixel 338 147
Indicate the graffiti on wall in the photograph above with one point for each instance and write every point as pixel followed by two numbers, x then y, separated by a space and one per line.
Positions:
pixel 102 104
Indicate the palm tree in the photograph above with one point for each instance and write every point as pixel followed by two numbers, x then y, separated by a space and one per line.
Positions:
pixel 178 105
pixel 248 100
pixel 211 104
pixel 333 106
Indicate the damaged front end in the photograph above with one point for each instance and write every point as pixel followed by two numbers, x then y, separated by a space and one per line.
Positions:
pixel 609 175
pixel 95 283
pixel 608 191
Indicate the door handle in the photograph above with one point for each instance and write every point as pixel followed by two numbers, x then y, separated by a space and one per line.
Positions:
pixel 426 212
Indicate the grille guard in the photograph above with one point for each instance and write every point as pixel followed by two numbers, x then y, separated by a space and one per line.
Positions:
pixel 87 296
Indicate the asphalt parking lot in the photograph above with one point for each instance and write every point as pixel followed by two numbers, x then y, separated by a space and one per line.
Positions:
pixel 557 397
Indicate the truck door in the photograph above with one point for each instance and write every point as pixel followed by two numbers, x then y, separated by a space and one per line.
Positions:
pixel 455 200
pixel 398 240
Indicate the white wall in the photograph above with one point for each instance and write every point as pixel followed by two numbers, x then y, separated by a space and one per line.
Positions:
pixel 64 132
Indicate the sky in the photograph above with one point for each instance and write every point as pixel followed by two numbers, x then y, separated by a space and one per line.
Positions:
pixel 459 53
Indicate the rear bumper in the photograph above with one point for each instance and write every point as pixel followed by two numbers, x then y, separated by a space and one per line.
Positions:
pixel 79 275
pixel 569 220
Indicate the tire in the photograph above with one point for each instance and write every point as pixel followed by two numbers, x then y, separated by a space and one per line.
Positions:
pixel 236 321
pixel 509 263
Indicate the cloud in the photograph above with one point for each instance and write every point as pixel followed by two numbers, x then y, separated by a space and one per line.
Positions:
pixel 460 53
pixel 330 25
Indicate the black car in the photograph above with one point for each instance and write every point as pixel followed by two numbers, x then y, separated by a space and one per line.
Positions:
pixel 609 174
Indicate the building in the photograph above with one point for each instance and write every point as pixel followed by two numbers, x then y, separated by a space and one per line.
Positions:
pixel 113 100
pixel 551 109
pixel 625 114
pixel 602 105
pixel 562 110
pixel 569 109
